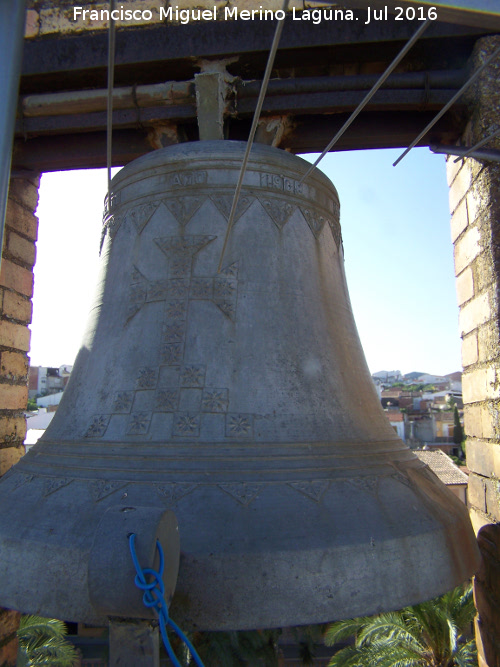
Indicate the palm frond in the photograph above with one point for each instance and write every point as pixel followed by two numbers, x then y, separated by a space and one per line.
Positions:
pixel 347 657
pixel 379 654
pixel 35 625
pixel 463 609
pixel 341 630
pixel 389 626
pixel 423 635
pixel 466 655
pixel 453 636
pixel 42 642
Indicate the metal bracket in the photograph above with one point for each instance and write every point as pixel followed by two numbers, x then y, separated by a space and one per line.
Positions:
pixel 111 572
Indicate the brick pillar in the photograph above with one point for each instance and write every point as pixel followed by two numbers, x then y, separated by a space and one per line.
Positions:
pixel 475 228
pixel 16 290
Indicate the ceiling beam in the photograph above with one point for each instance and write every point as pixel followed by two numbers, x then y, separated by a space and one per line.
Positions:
pixel 309 133
pixel 146 55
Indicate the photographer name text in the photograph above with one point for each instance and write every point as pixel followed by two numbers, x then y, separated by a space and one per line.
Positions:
pixel 315 16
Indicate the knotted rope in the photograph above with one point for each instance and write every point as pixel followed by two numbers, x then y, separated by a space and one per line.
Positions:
pixel 154 597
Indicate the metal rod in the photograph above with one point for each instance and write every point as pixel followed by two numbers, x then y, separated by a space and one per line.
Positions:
pixel 253 129
pixel 447 106
pixel 168 93
pixel 490 154
pixel 369 96
pixel 325 84
pixel 180 93
pixel 474 148
pixel 12 20
pixel 111 74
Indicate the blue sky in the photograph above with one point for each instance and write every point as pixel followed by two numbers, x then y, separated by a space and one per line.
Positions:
pixel 398 253
pixel 399 257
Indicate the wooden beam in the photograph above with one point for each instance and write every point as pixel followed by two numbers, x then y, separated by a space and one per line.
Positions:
pixel 310 133
pixel 147 55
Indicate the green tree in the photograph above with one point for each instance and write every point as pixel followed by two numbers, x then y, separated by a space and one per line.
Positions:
pixel 258 648
pixel 308 637
pixel 42 642
pixel 425 635
pixel 248 648
pixel 450 403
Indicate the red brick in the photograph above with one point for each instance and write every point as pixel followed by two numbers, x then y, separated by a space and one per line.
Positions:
pixel 469 350
pixel 465 286
pixel 16 277
pixel 20 248
pixel 481 421
pixel 473 202
pixel 14 365
pixel 493 498
pixel 488 341
pixel 452 168
pixel 9 456
pixel 481 384
pixel 12 430
pixel 483 457
pixel 483 269
pixel 476 312
pixel 459 221
pixel 21 220
pixel 13 335
pixel 17 307
pixel 13 397
pixel 459 187
pixel 478 519
pixel 467 249
pixel 476 494
pixel 24 192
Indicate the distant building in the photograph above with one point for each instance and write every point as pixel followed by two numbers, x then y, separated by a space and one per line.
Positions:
pixel 36 425
pixel 51 401
pixel 426 378
pixel 413 376
pixel 421 430
pixel 45 380
pixel 445 425
pixel 449 473
pixel 423 418
pixel 396 419
pixel 455 380
pixel 440 400
pixel 387 377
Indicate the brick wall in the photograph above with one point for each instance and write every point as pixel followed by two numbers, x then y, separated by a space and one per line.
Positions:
pixel 16 290
pixel 475 229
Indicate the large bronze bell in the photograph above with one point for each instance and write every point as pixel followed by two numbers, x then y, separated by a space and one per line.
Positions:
pixel 238 399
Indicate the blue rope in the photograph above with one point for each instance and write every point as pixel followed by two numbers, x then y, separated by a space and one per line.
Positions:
pixel 154 597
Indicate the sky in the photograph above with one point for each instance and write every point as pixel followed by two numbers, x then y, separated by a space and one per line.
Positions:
pixel 398 257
